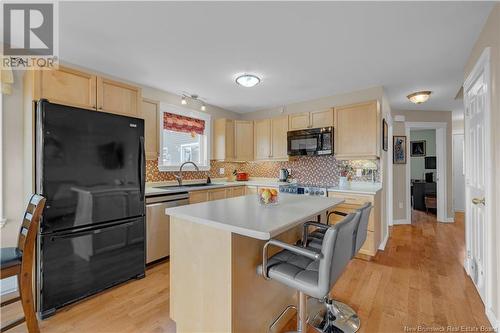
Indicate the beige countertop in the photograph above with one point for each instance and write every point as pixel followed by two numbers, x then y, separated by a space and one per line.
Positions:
pixel 246 216
pixel 153 188
pixel 358 188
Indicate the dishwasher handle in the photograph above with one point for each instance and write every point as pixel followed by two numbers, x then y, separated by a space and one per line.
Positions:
pixel 167 198
pixel 168 204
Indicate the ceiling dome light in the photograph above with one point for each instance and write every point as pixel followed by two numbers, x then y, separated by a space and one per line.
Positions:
pixel 247 80
pixel 203 107
pixel 419 96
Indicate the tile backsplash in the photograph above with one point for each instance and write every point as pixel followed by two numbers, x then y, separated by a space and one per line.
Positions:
pixel 320 170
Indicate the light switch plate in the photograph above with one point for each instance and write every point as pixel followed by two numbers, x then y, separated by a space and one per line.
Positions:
pixel 221 171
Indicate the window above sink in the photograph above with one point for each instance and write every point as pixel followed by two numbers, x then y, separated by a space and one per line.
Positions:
pixel 185 135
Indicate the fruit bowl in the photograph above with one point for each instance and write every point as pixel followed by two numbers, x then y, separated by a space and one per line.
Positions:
pixel 268 196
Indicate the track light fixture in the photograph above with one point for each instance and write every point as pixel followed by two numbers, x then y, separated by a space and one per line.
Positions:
pixel 194 97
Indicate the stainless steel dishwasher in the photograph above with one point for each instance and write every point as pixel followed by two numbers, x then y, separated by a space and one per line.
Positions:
pixel 158 224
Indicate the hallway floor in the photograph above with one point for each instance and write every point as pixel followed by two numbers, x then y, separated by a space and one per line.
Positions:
pixel 417 281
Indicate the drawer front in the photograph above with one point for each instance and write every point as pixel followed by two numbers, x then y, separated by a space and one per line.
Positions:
pixel 238 191
pixel 198 196
pixel 352 199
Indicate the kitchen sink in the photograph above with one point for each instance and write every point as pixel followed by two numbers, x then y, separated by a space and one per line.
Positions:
pixel 176 187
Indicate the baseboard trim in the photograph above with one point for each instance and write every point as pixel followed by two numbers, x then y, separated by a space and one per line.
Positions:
pixel 384 243
pixel 402 221
pixel 495 323
pixel 448 220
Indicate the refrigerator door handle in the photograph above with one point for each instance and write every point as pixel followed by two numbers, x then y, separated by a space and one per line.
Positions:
pixel 142 161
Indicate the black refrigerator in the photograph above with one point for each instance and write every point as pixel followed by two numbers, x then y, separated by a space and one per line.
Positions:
pixel 90 166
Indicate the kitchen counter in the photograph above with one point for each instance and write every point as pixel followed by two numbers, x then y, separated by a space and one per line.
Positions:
pixel 358 188
pixel 245 216
pixel 215 248
pixel 355 187
pixel 152 188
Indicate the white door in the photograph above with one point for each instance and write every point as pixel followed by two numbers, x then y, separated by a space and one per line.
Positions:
pixel 458 173
pixel 475 170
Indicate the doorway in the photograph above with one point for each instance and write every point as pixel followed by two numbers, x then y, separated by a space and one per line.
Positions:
pixel 429 182
pixel 423 170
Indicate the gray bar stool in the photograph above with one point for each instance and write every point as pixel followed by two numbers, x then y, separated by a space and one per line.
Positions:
pixel 333 312
pixel 311 272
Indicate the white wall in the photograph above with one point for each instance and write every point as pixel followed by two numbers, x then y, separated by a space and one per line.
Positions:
pixel 13 183
pixel 418 162
pixel 458 173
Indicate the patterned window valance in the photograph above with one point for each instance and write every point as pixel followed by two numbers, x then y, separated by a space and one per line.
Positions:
pixel 178 123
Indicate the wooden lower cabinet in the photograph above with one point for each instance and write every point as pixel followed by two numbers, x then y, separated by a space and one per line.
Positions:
pixel 353 202
pixel 238 191
pixel 198 196
pixel 217 194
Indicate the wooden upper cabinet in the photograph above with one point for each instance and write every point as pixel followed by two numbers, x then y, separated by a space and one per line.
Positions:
pixel 299 121
pixel 279 129
pixel 117 97
pixel 151 114
pixel 323 118
pixel 314 119
pixel 223 140
pixel 243 132
pixel 262 139
pixel 357 131
pixel 65 86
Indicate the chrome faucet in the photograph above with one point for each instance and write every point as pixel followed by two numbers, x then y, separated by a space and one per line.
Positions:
pixel 179 176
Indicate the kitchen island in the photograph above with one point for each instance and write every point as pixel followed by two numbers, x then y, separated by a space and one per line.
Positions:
pixel 215 248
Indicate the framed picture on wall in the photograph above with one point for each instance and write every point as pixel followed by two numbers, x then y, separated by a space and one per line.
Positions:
pixel 385 135
pixel 399 146
pixel 417 148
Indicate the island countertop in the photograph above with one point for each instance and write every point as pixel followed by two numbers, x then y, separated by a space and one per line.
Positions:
pixel 245 216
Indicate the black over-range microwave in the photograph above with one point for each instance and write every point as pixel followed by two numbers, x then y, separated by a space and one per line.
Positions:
pixel 314 141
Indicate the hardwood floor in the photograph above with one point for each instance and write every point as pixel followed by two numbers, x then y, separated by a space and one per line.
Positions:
pixel 417 280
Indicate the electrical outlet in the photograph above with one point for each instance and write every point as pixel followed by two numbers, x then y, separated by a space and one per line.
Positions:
pixel 400 205
pixel 221 171
pixel 359 172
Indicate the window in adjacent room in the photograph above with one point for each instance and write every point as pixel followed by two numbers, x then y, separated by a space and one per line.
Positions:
pixel 184 136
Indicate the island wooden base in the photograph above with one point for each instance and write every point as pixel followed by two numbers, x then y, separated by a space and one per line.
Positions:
pixel 213 280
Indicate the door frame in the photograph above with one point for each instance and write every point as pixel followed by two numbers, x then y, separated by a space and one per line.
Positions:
pixel 390 186
pixel 441 141
pixel 461 133
pixel 481 67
